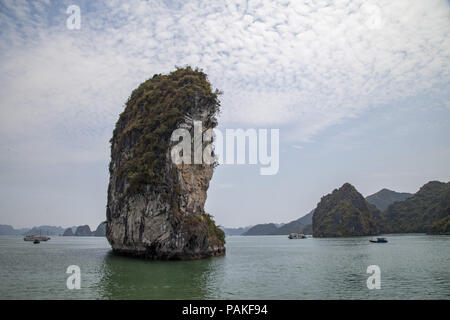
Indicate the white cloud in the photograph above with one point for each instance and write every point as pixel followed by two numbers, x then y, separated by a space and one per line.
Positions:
pixel 304 65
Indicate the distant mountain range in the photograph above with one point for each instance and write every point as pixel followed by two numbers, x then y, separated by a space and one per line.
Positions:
pixel 385 197
pixel 349 213
pixel 345 212
pixel 301 225
pixel 45 230
pixel 85 231
pixel 54 231
pixel 261 229
pixel 8 230
pixel 235 231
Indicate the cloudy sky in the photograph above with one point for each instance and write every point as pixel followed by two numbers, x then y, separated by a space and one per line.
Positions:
pixel 358 89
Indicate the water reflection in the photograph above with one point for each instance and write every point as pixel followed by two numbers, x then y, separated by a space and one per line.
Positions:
pixel 270 267
pixel 131 278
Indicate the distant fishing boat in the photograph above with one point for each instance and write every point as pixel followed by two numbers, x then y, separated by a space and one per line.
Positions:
pixel 296 236
pixel 379 240
pixel 34 237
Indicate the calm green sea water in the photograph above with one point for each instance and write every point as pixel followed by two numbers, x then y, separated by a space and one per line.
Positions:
pixel 265 267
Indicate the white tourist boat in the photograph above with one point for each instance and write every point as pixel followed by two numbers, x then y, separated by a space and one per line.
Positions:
pixel 35 237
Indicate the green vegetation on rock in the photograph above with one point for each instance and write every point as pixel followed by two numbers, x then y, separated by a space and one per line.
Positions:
pixel 441 226
pixel 156 207
pixel 345 213
pixel 428 210
pixel 216 235
pixel 153 111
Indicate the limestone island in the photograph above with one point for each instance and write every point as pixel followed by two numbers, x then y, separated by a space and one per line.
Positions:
pixel 155 207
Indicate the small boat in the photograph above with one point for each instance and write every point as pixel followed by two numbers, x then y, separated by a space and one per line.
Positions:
pixel 39 237
pixel 379 240
pixel 34 237
pixel 36 241
pixel 296 236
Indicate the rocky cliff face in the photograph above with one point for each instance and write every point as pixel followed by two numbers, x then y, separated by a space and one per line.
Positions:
pixel 441 216
pixel 428 210
pixel 156 208
pixel 83 231
pixel 101 230
pixel 68 232
pixel 344 213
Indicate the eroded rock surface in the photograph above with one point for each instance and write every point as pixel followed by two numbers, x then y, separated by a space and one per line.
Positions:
pixel 83 231
pixel 156 208
pixel 345 213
